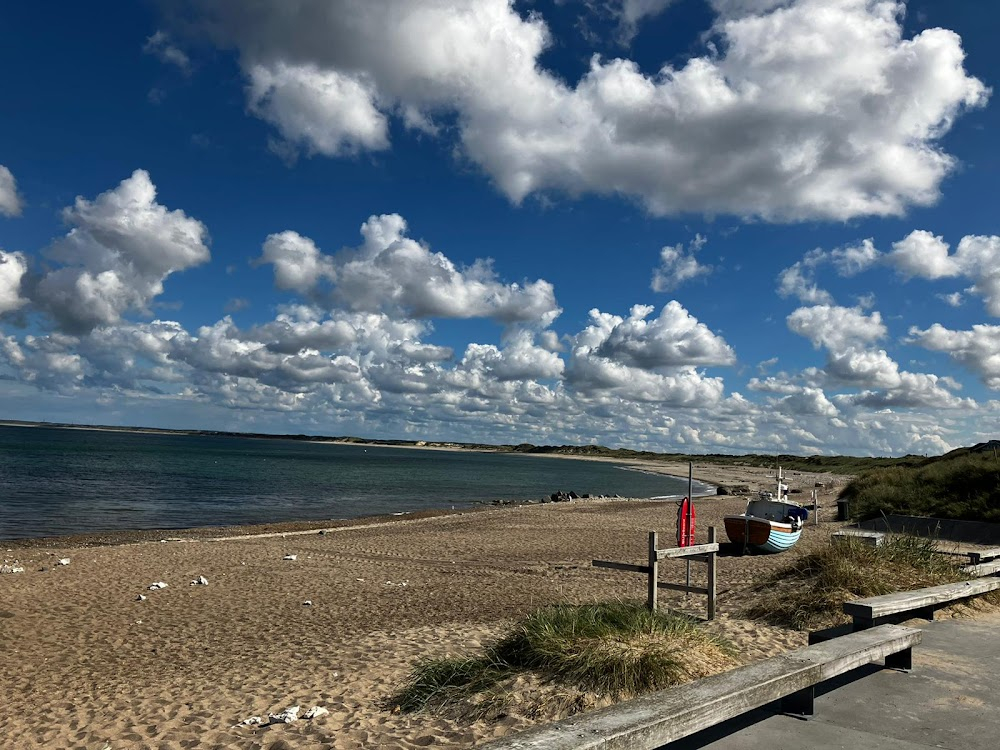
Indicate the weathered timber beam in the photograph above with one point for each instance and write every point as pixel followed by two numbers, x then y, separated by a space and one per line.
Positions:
pixel 904 601
pixel 694 549
pixel 682 587
pixel 983 554
pixel 629 567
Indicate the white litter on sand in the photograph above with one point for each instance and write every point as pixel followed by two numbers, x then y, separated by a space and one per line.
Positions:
pixel 63 561
pixel 200 581
pixel 11 568
pixel 157 585
pixel 253 721
pixel 307 603
pixel 290 557
pixel 315 712
pixel 141 598
pixel 287 716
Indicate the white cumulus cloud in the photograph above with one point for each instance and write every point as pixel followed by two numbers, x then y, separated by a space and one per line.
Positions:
pixel 640 360
pixel 11 203
pixel 977 348
pixel 520 359
pixel 298 264
pixel 924 255
pixel 13 266
pixel 839 114
pixel 799 279
pixel 836 328
pixel 324 111
pixel 678 266
pixel 121 248
pixel 393 273
pixel 674 339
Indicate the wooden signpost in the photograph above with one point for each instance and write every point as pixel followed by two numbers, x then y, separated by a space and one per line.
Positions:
pixel 705 553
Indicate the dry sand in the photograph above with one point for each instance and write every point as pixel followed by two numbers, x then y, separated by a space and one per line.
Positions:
pixel 83 664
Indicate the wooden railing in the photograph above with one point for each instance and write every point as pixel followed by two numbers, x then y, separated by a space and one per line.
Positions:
pixel 698 552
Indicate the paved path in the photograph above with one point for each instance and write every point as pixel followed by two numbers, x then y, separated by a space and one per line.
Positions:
pixel 950 700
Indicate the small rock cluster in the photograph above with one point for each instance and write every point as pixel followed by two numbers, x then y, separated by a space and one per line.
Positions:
pixel 559 497
pixel 563 497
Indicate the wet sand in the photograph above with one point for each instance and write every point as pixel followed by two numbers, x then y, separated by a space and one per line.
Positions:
pixel 86 665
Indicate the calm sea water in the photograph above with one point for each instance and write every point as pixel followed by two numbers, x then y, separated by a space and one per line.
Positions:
pixel 57 481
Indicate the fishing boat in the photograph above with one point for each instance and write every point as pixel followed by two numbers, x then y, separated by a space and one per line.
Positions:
pixel 771 522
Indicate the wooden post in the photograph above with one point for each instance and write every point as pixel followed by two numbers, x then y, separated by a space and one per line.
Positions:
pixel 711 575
pixel 687 576
pixel 654 569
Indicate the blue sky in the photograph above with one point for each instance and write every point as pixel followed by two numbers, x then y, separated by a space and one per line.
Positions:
pixel 696 225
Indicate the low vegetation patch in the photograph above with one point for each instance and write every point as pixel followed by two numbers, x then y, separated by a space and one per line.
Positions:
pixel 810 591
pixel 965 488
pixel 617 650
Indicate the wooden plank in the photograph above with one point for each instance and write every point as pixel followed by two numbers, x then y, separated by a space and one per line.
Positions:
pixel 990 568
pixel 682 587
pixel 871 538
pixel 694 549
pixel 668 715
pixel 711 575
pixel 628 567
pixel 654 573
pixel 904 601
pixel 983 554
pixel 826 634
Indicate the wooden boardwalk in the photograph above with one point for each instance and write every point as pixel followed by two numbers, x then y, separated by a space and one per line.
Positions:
pixel 950 700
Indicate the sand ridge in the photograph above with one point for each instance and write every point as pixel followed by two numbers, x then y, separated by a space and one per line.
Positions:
pixel 86 665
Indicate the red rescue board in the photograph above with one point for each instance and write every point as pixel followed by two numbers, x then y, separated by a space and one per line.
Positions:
pixel 685 523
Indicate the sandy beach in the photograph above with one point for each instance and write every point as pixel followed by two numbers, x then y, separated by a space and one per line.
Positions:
pixel 85 664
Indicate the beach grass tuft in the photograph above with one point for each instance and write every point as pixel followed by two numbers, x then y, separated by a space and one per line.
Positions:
pixel 616 649
pixel 449 681
pixel 810 591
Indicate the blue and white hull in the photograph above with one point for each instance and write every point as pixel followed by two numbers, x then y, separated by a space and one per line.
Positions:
pixel 780 538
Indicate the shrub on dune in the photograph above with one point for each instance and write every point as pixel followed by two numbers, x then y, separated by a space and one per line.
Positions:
pixel 614 649
pixel 810 591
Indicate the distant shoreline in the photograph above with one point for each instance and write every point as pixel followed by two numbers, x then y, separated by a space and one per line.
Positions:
pixel 816 463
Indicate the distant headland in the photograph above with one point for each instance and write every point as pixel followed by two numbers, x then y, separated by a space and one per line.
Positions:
pixel 818 463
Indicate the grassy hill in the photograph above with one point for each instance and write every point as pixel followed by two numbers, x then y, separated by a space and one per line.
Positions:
pixel 963 484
